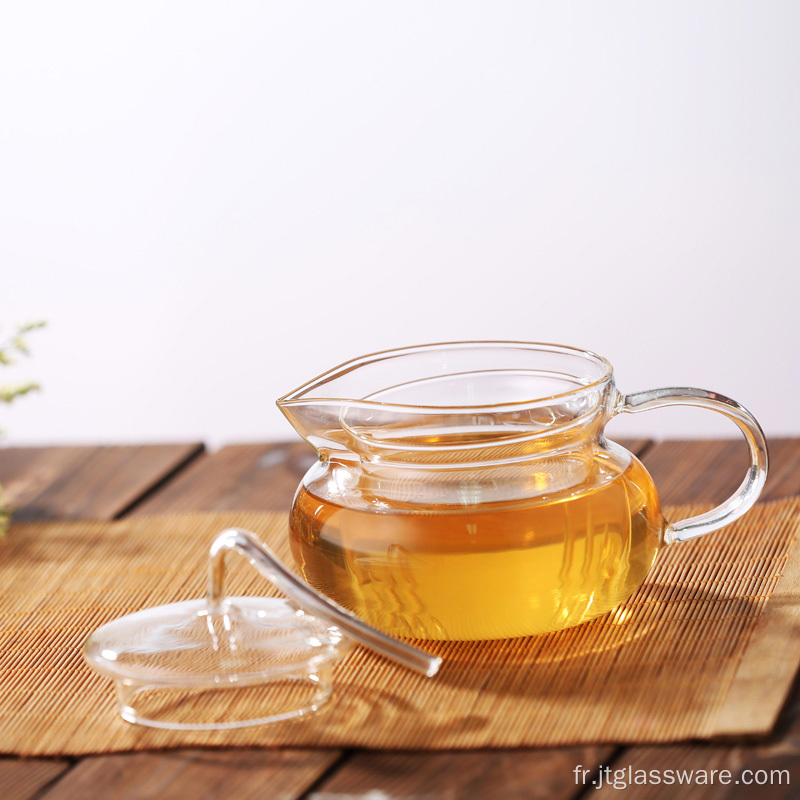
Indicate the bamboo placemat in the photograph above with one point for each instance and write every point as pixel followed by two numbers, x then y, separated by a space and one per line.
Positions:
pixel 708 646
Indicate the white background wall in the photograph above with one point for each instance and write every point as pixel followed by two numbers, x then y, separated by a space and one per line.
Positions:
pixel 213 202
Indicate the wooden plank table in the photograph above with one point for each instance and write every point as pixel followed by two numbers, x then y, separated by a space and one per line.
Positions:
pixel 111 482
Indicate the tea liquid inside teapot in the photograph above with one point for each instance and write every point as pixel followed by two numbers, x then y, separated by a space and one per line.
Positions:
pixel 474 570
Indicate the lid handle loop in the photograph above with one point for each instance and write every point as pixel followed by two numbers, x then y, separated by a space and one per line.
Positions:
pixel 306 598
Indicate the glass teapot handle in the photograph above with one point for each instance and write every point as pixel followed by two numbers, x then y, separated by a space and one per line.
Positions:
pixel 749 490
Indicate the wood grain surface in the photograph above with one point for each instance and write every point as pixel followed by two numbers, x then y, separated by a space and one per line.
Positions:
pixel 245 477
pixel 700 471
pixel 75 482
pixel 86 482
pixel 518 774
pixel 103 482
pixel 195 775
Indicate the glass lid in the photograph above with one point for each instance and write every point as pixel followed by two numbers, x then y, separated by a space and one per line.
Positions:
pixel 227 662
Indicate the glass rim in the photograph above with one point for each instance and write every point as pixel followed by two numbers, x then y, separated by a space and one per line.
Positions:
pixel 296 396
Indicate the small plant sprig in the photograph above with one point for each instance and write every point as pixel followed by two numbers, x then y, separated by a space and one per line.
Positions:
pixel 10 350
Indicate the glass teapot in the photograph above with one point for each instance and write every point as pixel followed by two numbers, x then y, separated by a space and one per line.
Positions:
pixel 467 491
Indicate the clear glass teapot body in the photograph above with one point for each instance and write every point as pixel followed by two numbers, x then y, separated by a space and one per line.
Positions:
pixel 467 490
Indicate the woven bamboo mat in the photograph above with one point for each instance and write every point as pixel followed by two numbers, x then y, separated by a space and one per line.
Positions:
pixel 708 646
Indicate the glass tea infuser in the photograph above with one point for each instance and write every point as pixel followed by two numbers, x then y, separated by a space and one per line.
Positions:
pixel 462 491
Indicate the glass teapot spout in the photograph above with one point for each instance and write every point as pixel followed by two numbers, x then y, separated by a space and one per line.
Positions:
pixel 319 422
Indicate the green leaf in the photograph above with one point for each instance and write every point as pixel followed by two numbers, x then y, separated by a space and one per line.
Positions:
pixel 31 326
pixel 20 345
pixel 10 392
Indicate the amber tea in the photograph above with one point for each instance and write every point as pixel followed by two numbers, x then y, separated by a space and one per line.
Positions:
pixel 486 571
